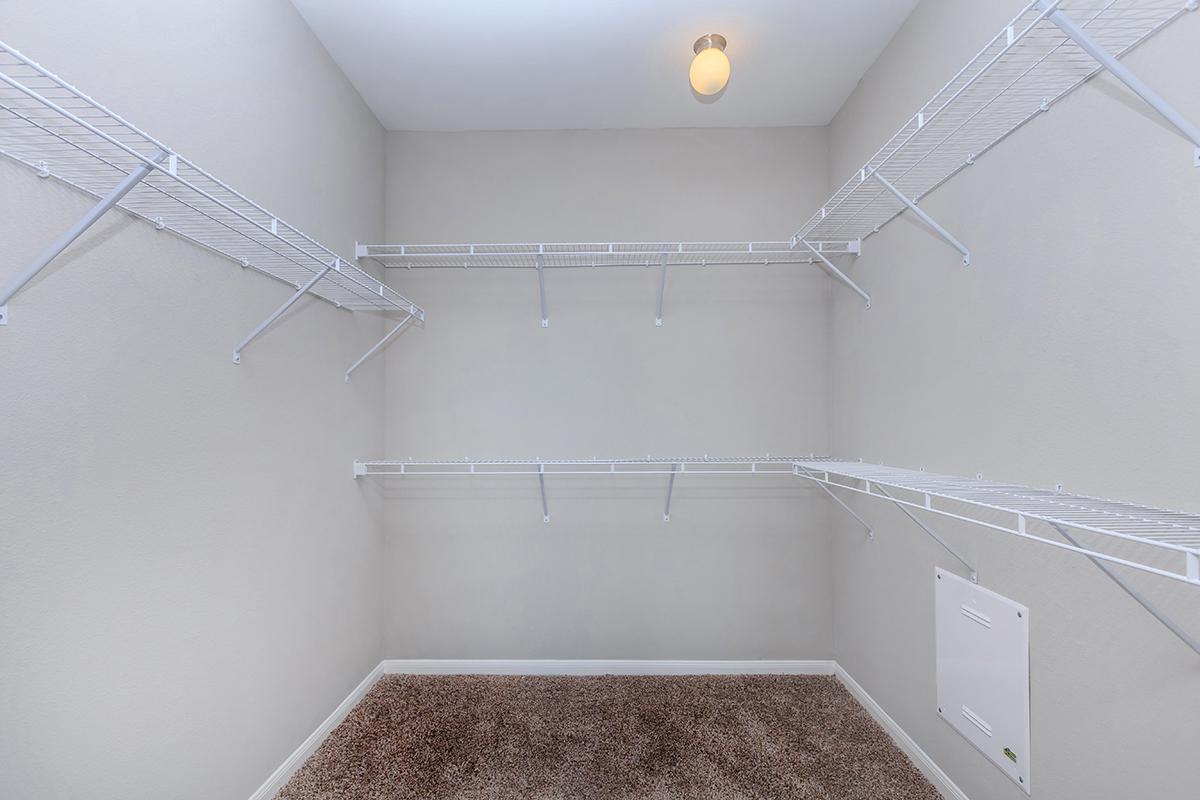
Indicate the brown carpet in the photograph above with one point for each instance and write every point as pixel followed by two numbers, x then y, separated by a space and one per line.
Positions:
pixel 608 737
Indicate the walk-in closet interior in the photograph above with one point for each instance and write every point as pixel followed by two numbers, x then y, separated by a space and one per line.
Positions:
pixel 613 400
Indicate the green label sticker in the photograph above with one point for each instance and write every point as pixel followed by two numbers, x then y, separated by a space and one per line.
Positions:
pixel 1011 755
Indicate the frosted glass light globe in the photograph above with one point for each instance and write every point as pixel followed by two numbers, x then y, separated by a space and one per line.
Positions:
pixel 710 68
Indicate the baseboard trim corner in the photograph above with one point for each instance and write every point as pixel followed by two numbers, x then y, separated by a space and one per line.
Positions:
pixel 423 666
pixel 279 777
pixel 929 768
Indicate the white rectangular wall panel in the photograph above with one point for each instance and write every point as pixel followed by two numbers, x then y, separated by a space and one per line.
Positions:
pixel 983 671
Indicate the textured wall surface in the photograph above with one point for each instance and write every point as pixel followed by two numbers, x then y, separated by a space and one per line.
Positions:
pixel 1063 354
pixel 189 577
pixel 741 570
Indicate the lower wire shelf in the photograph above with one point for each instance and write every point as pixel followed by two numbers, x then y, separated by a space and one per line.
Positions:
pixel 1154 540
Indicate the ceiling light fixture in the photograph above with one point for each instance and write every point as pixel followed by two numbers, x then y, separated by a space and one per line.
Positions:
pixel 710 67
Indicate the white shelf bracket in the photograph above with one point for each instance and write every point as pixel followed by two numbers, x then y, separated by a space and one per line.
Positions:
pixel 279 312
pixel 670 489
pixel 541 271
pixel 803 473
pixel 18 281
pixel 662 288
pixel 1123 74
pixel 928 220
pixel 973 574
pixel 1155 612
pixel 542 486
pixel 379 345
pixel 836 273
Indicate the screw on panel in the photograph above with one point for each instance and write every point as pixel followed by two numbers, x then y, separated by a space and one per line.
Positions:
pixel 3 315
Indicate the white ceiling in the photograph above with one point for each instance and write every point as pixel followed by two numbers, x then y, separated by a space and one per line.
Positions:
pixel 563 64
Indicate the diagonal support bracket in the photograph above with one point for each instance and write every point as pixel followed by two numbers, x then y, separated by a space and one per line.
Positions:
pixel 542 486
pixel 1155 612
pixel 928 220
pixel 828 266
pixel 541 271
pixel 279 312
pixel 1123 74
pixel 64 241
pixel 884 493
pixel 379 345
pixel 670 489
pixel 662 289
pixel 804 473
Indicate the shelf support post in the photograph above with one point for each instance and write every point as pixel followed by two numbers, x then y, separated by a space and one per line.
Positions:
pixel 279 312
pixel 64 241
pixel 1155 612
pixel 828 266
pixel 928 220
pixel 670 488
pixel 1123 74
pixel 379 345
pixel 662 288
pixel 973 574
pixel 542 486
pixel 804 473
pixel 541 271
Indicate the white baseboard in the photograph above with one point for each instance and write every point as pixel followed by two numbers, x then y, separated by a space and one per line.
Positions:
pixel 428 666
pixel 279 777
pixel 929 768
pixel 421 666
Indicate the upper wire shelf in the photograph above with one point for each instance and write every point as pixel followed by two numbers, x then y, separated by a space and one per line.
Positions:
pixel 595 254
pixel 1025 69
pixel 54 128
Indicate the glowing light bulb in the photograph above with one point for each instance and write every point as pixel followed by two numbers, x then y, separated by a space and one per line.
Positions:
pixel 710 68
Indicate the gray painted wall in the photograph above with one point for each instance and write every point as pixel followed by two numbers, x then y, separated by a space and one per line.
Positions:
pixel 1063 354
pixel 189 578
pixel 742 569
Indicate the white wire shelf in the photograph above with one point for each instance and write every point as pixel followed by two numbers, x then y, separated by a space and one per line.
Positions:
pixel 595 254
pixel 1170 537
pixel 60 132
pixel 1011 508
pixel 704 465
pixel 1028 67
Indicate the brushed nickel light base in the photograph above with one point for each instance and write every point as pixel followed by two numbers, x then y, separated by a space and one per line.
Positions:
pixel 709 40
